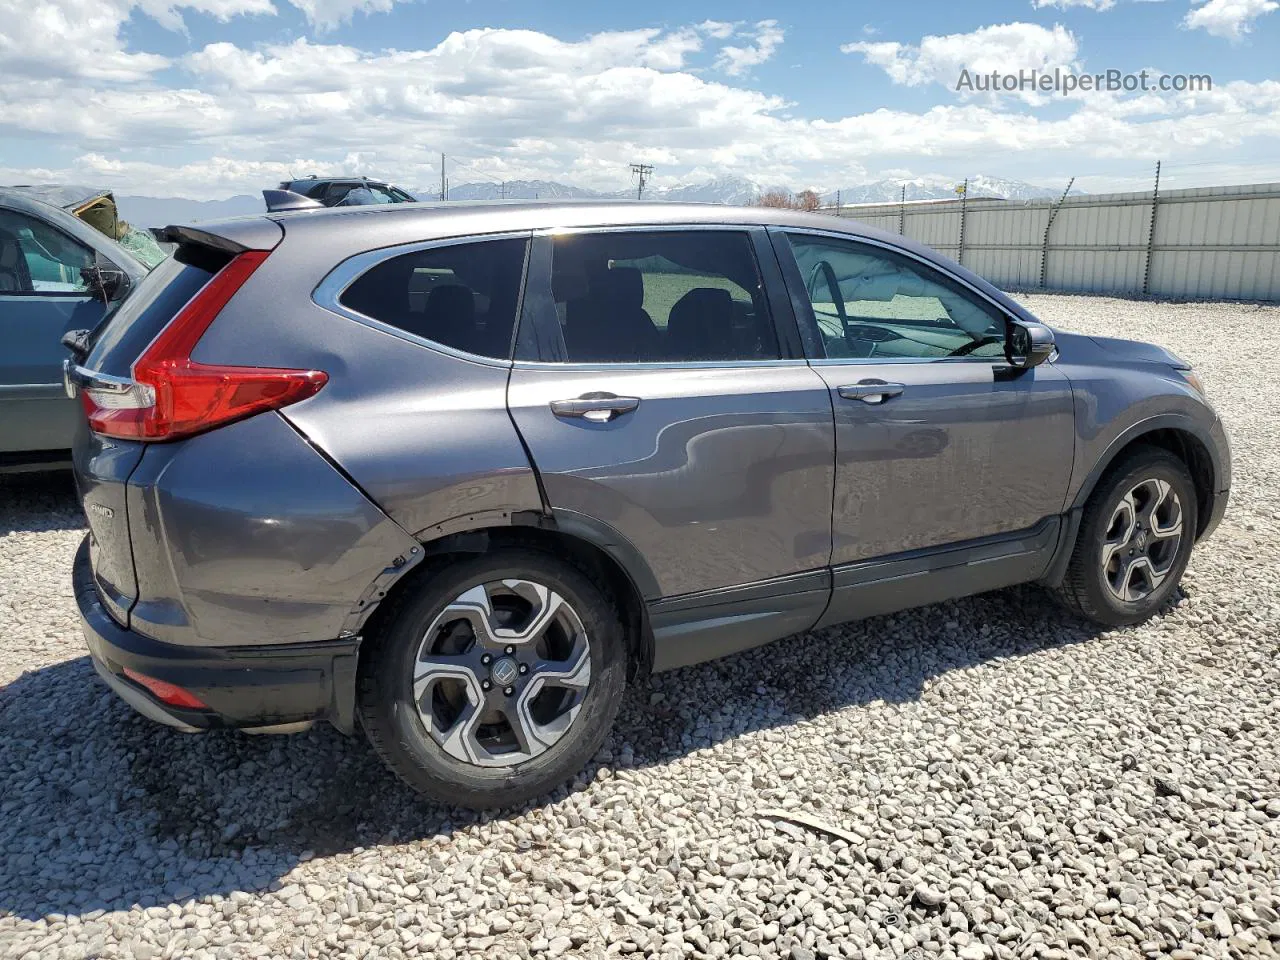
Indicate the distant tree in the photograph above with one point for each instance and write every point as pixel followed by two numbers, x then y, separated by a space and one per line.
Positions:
pixel 804 200
pixel 776 198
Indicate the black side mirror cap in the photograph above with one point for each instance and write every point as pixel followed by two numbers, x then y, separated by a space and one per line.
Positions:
pixel 1028 344
pixel 106 281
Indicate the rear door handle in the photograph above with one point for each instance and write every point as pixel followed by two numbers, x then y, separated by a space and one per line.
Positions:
pixel 871 391
pixel 596 407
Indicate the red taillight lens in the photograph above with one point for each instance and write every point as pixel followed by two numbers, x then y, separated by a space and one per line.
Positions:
pixel 166 692
pixel 173 396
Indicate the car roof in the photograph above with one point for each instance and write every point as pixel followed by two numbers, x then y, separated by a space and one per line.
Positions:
pixel 345 231
pixel 69 196
pixel 435 218
pixel 26 202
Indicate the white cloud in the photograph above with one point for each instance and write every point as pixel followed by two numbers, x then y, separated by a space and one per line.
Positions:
pixel 328 14
pixel 523 104
pixel 1228 18
pixel 1098 5
pixel 168 14
pixel 718 29
pixel 736 61
pixel 1003 48
pixel 54 38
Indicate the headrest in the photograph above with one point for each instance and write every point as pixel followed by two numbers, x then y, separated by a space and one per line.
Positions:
pixel 619 287
pixel 700 325
pixel 452 301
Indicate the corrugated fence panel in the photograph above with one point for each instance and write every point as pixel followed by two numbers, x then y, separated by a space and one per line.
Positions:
pixel 1216 242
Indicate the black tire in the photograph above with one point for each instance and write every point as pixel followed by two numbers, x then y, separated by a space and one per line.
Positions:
pixel 391 720
pixel 1084 590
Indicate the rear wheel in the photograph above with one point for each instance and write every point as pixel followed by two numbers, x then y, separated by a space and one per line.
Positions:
pixel 496 681
pixel 1135 539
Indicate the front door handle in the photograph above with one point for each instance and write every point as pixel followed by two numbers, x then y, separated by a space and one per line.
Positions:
pixel 871 391
pixel 596 407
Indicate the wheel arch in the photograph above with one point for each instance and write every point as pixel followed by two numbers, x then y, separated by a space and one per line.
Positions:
pixel 1182 437
pixel 588 544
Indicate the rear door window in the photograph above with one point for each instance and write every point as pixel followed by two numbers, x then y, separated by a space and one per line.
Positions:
pixel 461 295
pixel 670 296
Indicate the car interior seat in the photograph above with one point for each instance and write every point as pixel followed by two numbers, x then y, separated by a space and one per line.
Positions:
pixel 14 275
pixel 701 327
pixel 610 323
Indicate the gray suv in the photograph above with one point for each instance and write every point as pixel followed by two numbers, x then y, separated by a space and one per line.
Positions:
pixel 459 473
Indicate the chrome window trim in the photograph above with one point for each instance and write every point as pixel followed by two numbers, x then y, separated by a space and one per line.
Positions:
pixel 746 228
pixel 329 290
pixel 657 365
pixel 881 361
pixel 926 262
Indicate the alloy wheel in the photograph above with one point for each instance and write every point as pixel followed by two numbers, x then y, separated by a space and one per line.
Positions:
pixel 1142 540
pixel 501 673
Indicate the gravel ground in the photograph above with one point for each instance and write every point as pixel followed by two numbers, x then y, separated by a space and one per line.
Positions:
pixel 987 778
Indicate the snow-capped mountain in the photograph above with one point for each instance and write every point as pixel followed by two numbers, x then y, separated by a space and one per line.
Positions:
pixel 722 190
pixel 941 188
pixel 513 190
pixel 740 190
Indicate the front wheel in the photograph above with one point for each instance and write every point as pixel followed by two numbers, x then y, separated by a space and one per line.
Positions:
pixel 496 681
pixel 1135 540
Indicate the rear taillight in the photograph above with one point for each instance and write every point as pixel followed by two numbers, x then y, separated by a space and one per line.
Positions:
pixel 172 396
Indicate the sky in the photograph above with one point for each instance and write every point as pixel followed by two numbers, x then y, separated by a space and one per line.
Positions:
pixel 210 98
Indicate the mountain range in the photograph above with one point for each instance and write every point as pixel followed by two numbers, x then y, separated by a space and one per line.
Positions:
pixel 158 211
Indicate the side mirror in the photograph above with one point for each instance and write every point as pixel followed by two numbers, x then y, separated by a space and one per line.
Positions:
pixel 1028 344
pixel 107 281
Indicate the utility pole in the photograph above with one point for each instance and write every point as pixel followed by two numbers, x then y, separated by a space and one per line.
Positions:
pixel 444 189
pixel 503 190
pixel 964 200
pixel 644 171
pixel 902 212
pixel 837 203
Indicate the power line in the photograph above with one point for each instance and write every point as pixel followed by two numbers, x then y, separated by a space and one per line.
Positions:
pixel 644 171
pixel 478 172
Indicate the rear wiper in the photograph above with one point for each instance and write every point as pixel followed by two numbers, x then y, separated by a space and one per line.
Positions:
pixel 77 341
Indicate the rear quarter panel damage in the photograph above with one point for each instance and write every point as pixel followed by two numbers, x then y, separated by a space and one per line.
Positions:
pixel 246 535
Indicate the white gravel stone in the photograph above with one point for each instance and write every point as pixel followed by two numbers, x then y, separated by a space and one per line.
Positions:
pixel 1059 791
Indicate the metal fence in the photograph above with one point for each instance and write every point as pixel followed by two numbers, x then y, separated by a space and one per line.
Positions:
pixel 1211 242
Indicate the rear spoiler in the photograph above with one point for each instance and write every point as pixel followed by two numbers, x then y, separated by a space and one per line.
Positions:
pixel 230 236
pixel 278 200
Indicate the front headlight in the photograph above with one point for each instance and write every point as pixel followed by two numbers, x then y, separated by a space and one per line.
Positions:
pixel 1190 376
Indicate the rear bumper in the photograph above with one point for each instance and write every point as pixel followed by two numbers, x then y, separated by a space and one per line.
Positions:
pixel 255 688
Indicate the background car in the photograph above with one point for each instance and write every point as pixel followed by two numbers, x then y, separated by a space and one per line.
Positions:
pixel 347 191
pixel 58 273
pixel 486 464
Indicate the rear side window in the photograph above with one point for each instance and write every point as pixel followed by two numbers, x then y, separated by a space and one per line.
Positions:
pixel 463 295
pixel 127 330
